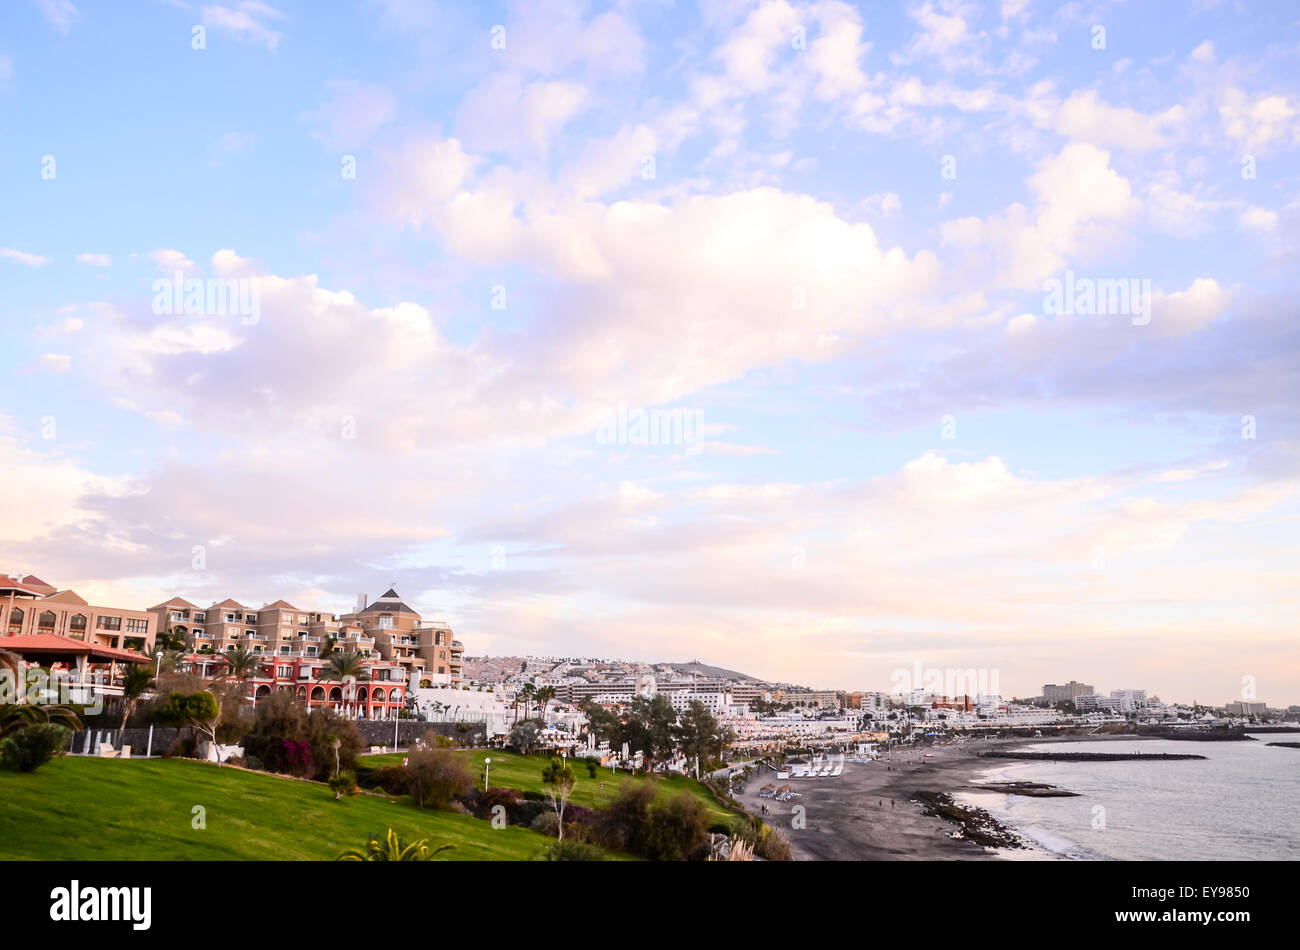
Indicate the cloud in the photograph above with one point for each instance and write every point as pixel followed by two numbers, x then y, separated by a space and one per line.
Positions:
pixel 353 115
pixel 1085 117
pixel 503 115
pixel 61 14
pixel 27 260
pixel 247 21
pixel 169 261
pixel 1080 201
pixel 1260 125
pixel 1255 218
pixel 95 260
pixel 56 362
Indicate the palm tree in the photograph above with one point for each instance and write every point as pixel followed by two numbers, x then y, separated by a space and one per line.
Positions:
pixel 15 718
pixel 329 649
pixel 526 694
pixel 135 684
pixel 172 640
pixel 345 666
pixel 544 696
pixel 393 850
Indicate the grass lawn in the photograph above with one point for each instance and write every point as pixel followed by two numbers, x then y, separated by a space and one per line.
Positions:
pixel 106 809
pixel 524 772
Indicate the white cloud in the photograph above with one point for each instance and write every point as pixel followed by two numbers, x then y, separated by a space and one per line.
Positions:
pixel 169 261
pixel 28 260
pixel 1259 125
pixel 1255 218
pixel 95 260
pixel 1086 117
pixel 56 362
pixel 246 21
pixel 61 14
pixel 353 115
pixel 504 115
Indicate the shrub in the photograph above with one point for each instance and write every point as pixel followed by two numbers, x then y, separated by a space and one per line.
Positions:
pixel 570 850
pixel 486 801
pixel 285 737
pixel 393 779
pixel 547 823
pixel 676 829
pixel 345 783
pixel 438 776
pixel 624 823
pixel 31 747
pixel 593 768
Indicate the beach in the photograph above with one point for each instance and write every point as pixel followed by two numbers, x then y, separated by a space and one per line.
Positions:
pixel 868 812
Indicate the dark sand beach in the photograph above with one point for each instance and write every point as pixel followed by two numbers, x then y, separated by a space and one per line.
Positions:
pixel 850 817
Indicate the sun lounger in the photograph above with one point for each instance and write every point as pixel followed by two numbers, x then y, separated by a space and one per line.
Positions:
pixel 106 751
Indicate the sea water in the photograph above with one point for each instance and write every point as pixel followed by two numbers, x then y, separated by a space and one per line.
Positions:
pixel 1242 802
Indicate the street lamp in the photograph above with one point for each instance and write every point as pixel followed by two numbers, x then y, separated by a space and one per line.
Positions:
pixel 487 768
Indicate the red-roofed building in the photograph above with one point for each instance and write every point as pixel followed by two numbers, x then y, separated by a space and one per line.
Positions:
pixel 29 606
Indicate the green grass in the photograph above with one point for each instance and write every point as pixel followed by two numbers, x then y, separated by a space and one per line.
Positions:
pixel 92 809
pixel 524 772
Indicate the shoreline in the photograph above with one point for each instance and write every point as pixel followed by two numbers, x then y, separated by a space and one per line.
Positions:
pixel 872 812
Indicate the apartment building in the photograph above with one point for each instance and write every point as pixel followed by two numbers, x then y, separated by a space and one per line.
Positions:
pixel 32 606
pixel 426 649
pixel 401 651
pixel 1066 693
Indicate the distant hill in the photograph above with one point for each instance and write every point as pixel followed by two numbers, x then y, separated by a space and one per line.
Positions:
pixel 703 669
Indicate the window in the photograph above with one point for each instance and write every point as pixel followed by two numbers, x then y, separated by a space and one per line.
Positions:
pixel 46 621
pixel 199 617
pixel 284 651
pixel 284 672
pixel 385 621
pixel 108 623
pixel 250 633
pixel 137 626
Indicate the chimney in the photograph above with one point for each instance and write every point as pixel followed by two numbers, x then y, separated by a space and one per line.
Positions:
pixel 361 602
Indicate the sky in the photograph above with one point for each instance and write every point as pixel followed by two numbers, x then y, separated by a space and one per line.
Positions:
pixel 975 324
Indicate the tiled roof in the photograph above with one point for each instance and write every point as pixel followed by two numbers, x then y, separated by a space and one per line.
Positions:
pixel 47 643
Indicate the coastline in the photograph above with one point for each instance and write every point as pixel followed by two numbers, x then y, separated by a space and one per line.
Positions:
pixel 850 817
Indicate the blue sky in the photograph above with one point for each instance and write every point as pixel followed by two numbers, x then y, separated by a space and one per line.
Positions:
pixel 824 227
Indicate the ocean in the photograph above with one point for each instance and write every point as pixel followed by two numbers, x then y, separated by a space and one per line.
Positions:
pixel 1242 802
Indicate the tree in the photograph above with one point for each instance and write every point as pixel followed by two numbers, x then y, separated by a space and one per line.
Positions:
pixel 15 718
pixel 240 665
pixel 558 781
pixel 649 728
pixel 393 850
pixel 523 736
pixel 526 694
pixel 698 734
pixel 543 696
pixel 344 666
pixel 172 640
pixel 200 711
pixel 135 683
pixel 606 726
